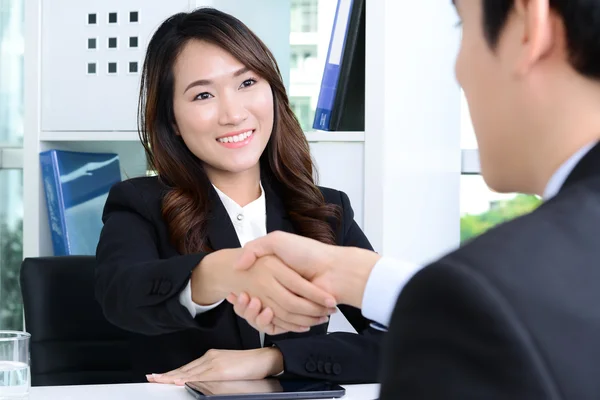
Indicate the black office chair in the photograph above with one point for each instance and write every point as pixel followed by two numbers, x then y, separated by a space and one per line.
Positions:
pixel 71 341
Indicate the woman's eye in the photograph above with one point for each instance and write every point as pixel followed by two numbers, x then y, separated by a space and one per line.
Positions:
pixel 203 96
pixel 248 82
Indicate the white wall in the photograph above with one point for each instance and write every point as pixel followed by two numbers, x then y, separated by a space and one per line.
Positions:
pixel 412 150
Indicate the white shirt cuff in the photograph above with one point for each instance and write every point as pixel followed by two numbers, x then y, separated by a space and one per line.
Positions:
pixel 387 279
pixel 185 298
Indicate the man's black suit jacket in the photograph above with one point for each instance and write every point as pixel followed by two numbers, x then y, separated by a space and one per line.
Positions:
pixel 514 314
pixel 140 275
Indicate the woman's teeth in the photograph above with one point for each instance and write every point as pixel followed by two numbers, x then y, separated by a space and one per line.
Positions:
pixel 237 138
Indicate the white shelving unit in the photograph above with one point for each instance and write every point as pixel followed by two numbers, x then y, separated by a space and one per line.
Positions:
pixel 401 174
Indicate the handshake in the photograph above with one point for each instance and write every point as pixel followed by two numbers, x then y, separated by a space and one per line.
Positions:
pixel 283 282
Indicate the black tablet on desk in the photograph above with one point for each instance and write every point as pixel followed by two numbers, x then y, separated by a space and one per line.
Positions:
pixel 271 389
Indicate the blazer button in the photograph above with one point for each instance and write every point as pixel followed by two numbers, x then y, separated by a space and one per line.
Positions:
pixel 320 366
pixel 337 369
pixel 328 367
pixel 310 366
pixel 165 288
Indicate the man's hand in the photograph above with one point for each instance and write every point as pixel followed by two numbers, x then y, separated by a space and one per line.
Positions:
pixel 226 365
pixel 296 303
pixel 341 271
pixel 293 299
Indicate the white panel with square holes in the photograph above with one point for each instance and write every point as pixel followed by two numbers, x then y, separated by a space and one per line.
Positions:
pixel 90 73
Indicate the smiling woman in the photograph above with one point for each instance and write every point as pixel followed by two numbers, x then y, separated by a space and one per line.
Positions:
pixel 229 108
pixel 218 93
pixel 232 164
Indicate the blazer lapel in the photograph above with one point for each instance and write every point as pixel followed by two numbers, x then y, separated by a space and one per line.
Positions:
pixel 222 235
pixel 277 216
pixel 587 167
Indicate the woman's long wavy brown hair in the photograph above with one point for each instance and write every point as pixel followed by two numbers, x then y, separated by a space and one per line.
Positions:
pixel 286 160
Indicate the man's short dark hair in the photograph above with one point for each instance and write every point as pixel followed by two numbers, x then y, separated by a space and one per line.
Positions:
pixel 582 23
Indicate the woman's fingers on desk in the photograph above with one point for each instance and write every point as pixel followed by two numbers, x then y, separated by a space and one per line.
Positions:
pixel 223 365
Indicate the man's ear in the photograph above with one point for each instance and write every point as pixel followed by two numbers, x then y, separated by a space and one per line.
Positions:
pixel 537 36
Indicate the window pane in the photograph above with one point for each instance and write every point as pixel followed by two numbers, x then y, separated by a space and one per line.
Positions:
pixel 11 71
pixel 11 248
pixel 467 134
pixel 310 31
pixel 301 107
pixel 481 208
pixel 304 15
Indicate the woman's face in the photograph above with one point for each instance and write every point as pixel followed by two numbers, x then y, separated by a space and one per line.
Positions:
pixel 223 111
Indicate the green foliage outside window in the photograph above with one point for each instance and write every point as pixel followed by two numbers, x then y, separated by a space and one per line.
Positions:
pixel 11 255
pixel 500 211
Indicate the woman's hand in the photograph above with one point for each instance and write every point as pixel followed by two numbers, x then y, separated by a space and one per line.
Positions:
pixel 213 276
pixel 252 311
pixel 261 319
pixel 226 365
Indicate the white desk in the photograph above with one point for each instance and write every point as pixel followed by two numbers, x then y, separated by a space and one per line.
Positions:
pixel 153 391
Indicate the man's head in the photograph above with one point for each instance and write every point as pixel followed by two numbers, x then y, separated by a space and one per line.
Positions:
pixel 530 70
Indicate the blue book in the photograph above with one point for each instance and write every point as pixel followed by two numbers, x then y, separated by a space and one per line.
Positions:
pixel 340 105
pixel 76 186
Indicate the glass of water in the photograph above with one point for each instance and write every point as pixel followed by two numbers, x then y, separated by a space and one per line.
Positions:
pixel 14 365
